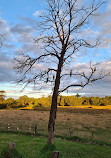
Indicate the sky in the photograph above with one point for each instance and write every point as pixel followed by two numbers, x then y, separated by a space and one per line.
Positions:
pixel 19 23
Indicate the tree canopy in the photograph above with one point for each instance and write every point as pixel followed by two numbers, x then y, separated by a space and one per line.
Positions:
pixel 2 95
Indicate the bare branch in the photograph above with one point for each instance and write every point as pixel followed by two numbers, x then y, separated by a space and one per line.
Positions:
pixel 57 41
pixel 88 79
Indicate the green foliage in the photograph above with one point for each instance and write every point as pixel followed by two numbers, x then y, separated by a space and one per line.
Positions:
pixel 2 95
pixel 45 102
pixel 6 153
pixel 11 103
pixel 25 101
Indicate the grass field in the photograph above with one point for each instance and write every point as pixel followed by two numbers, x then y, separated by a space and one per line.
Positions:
pixel 33 147
pixel 93 124
pixel 107 107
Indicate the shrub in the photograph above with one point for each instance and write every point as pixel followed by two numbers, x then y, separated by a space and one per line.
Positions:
pixel 7 153
pixel 102 104
pixel 66 104
pixel 3 106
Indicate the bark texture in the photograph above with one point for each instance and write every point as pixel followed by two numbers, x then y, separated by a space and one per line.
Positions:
pixel 52 116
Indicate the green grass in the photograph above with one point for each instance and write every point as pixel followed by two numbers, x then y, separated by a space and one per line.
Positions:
pixel 7 153
pixel 36 147
pixel 73 138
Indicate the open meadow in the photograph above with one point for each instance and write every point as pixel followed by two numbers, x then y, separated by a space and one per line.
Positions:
pixel 92 124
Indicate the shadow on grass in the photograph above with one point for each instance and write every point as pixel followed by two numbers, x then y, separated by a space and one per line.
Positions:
pixel 73 138
pixel 47 150
pixel 6 153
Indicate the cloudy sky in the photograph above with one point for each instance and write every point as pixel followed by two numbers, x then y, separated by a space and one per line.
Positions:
pixel 18 25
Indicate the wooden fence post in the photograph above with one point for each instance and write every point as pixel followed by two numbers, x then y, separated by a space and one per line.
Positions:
pixel 55 154
pixel 36 130
pixel 11 145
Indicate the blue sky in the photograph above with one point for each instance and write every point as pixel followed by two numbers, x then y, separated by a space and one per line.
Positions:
pixel 13 9
pixel 19 20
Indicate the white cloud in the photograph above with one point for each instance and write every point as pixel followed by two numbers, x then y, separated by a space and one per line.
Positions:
pixel 11 91
pixel 90 32
pixel 102 23
pixel 4 31
pixel 19 28
pixel 24 37
pixel 103 20
pixel 37 13
pixel 4 26
pixel 107 28
pixel 34 92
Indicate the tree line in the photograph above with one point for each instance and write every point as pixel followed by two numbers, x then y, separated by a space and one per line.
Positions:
pixel 25 101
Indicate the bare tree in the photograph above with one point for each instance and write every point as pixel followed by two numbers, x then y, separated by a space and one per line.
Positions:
pixel 61 39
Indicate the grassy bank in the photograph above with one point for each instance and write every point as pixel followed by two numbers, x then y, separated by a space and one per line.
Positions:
pixel 33 147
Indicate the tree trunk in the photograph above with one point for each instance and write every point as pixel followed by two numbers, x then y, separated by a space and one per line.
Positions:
pixel 53 109
pixel 52 120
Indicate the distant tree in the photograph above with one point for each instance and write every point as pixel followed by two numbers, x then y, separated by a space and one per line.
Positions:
pixel 11 102
pixel 2 95
pixel 77 95
pixel 23 101
pixel 31 102
pixel 95 100
pixel 85 101
pixel 107 100
pixel 3 105
pixel 60 35
pixel 49 100
pixel 90 101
